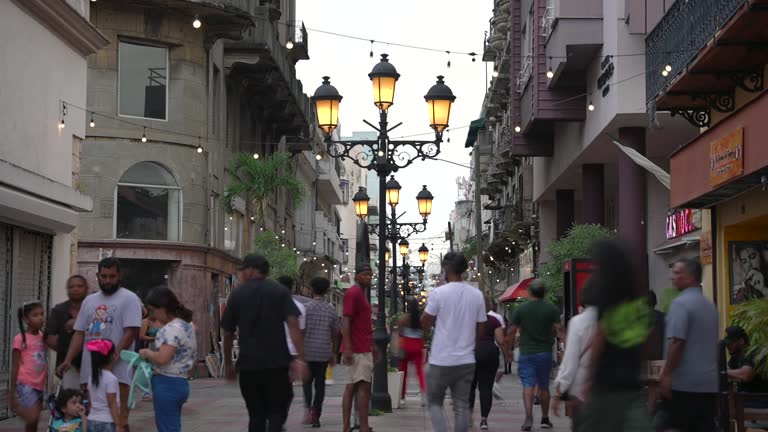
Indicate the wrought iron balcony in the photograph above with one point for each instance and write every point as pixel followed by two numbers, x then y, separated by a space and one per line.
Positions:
pixel 686 28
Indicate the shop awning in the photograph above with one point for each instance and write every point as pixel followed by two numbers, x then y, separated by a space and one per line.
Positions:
pixel 668 246
pixel 474 127
pixel 518 290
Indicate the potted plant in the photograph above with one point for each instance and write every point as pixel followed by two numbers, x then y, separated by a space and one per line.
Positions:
pixel 752 316
pixel 394 385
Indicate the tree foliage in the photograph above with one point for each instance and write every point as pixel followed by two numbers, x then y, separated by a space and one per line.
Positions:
pixel 575 244
pixel 752 316
pixel 282 260
pixel 257 181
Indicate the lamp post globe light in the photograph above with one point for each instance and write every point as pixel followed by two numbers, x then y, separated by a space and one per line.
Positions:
pixel 385 156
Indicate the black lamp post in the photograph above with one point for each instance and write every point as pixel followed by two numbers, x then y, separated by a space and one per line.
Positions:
pixel 385 156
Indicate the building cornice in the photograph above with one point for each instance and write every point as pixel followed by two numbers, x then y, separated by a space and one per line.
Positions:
pixel 65 22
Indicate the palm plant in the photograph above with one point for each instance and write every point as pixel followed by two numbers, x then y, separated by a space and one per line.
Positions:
pixel 752 316
pixel 257 181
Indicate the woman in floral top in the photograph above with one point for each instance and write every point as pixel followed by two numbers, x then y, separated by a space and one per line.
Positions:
pixel 173 354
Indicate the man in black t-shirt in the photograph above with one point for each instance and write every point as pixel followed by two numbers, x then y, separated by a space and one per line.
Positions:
pixel 742 368
pixel 257 310
pixel 59 328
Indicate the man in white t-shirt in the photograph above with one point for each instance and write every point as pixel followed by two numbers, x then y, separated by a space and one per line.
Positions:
pixel 457 310
pixel 112 313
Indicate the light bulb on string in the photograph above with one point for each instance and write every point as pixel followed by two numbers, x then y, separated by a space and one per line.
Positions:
pixel 550 73
pixel 517 128
pixel 255 155
pixel 664 72
pixel 318 156
pixel 61 124
pixel 92 123
pixel 197 23
pixel 199 145
pixel 371 53
pixel 495 72
pixel 590 107
pixel 144 135
pixel 289 45
pixel 449 59
pixel 668 68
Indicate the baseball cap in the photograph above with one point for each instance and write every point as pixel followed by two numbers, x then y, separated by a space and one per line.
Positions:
pixel 362 268
pixel 734 333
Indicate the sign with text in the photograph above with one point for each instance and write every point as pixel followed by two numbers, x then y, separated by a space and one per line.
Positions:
pixel 705 245
pixel 726 156
pixel 680 222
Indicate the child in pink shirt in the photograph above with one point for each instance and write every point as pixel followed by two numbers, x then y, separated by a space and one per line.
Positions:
pixel 29 365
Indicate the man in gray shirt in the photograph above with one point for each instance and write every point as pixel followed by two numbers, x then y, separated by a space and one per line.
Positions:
pixel 689 380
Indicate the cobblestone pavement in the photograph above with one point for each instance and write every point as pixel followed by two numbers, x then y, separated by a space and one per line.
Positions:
pixel 216 405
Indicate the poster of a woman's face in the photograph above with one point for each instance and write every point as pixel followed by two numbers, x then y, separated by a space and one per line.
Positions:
pixel 749 270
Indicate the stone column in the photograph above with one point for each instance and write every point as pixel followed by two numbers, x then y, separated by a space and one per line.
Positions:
pixel 633 204
pixel 593 194
pixel 566 211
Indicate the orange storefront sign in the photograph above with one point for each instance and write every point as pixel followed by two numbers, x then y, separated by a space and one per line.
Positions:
pixel 726 157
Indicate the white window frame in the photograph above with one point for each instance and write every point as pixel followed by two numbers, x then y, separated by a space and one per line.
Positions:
pixel 167 77
pixel 181 206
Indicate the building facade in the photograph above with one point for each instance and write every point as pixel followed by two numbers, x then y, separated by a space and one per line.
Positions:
pixel 40 193
pixel 572 137
pixel 722 171
pixel 182 87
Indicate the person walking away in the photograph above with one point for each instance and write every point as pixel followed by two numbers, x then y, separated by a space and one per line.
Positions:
pixel 538 321
pixel 288 282
pixel 689 379
pixel 112 313
pixel 742 367
pixel 486 363
pixel 358 348
pixel 457 312
pixel 321 336
pixel 59 329
pixel 617 400
pixel 412 345
pixel 172 354
pixel 70 412
pixel 508 360
pixel 572 378
pixel 257 309
pixel 103 387
pixel 29 367
pixel 655 348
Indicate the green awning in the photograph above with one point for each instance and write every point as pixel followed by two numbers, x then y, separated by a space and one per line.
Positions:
pixel 474 127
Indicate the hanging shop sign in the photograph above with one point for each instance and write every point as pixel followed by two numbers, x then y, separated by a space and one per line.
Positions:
pixel 726 157
pixel 681 222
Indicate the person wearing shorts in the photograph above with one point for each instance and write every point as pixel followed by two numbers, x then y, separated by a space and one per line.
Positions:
pixel 538 321
pixel 358 348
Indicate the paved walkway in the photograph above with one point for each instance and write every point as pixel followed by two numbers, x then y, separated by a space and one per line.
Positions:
pixel 216 405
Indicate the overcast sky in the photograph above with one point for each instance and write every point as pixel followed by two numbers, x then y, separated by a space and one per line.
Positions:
pixel 443 24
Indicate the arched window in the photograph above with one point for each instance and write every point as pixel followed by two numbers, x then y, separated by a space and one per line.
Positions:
pixel 148 204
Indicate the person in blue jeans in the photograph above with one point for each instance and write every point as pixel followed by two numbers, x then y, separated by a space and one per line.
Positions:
pixel 538 321
pixel 173 354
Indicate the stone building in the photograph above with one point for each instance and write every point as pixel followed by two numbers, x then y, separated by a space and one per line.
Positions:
pixel 181 88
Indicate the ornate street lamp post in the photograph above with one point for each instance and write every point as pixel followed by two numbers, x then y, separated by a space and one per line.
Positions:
pixel 385 156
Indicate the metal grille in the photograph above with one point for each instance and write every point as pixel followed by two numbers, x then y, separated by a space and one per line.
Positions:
pixel 683 31
pixel 26 258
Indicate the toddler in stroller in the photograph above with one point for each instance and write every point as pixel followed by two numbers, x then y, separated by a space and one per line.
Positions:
pixel 68 413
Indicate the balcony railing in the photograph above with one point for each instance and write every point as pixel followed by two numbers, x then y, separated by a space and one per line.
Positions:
pixel 547 20
pixel 525 73
pixel 683 31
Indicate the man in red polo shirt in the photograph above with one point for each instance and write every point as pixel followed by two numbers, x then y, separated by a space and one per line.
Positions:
pixel 357 346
